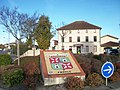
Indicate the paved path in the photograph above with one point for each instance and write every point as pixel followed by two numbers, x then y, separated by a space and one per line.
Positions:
pixel 111 86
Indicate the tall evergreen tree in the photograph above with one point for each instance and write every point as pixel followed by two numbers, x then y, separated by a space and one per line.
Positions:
pixel 42 32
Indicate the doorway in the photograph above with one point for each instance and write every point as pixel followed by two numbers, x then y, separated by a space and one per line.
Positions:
pixel 78 49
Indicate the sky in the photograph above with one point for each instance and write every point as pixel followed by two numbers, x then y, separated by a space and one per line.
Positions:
pixel 103 13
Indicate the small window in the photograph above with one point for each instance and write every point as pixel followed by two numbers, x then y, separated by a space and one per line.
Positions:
pixel 78 31
pixel 95 38
pixel 86 39
pixel 70 39
pixel 70 31
pixel 95 48
pixel 62 39
pixel 78 39
pixel 62 47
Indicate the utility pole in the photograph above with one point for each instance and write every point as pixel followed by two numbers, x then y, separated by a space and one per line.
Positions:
pixel 119 50
pixel 119 47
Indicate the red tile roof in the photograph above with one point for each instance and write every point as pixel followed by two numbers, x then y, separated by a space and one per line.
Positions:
pixel 110 44
pixel 110 36
pixel 79 25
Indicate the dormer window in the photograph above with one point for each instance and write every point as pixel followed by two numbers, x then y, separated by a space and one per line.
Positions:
pixel 78 31
pixel 86 31
pixel 95 31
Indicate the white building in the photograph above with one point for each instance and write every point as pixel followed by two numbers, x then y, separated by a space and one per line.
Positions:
pixel 108 42
pixel 109 38
pixel 79 37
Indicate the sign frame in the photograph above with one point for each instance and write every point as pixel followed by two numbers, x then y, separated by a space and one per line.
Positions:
pixel 108 70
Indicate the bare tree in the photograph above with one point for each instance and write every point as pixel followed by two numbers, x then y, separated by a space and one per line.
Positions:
pixel 28 28
pixel 64 33
pixel 14 22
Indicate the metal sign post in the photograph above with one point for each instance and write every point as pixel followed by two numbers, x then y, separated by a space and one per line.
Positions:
pixel 106 81
pixel 107 70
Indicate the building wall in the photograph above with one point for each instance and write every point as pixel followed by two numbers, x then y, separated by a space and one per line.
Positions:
pixel 82 34
pixel 106 39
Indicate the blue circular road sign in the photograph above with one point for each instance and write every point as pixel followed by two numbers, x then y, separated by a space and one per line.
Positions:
pixel 107 69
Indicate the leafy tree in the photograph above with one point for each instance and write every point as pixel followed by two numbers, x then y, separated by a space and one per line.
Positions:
pixel 42 32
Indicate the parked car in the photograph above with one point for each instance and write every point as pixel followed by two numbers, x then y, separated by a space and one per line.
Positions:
pixel 114 52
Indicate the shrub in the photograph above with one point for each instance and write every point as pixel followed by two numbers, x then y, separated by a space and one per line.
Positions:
pixel 118 70
pixel 32 73
pixel 111 58
pixel 86 68
pixel 2 68
pixel 74 83
pixel 115 77
pixel 117 65
pixel 13 77
pixel 8 68
pixel 5 59
pixel 96 57
pixel 82 59
pixel 96 65
pixel 31 68
pixel 94 79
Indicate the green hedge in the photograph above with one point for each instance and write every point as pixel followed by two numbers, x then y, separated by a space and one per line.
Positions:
pixel 5 59
pixel 13 77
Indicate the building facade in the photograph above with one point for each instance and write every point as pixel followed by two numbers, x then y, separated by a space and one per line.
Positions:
pixel 108 38
pixel 79 37
pixel 109 42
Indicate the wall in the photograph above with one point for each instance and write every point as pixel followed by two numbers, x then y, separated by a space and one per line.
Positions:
pixel 107 39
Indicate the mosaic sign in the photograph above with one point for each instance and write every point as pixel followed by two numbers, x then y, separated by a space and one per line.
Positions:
pixel 60 63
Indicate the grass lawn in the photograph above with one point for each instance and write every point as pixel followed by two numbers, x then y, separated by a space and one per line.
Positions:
pixel 25 60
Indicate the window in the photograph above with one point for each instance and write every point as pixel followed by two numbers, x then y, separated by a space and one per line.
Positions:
pixel 78 39
pixel 86 39
pixel 62 47
pixel 95 38
pixel 78 31
pixel 87 48
pixel 70 39
pixel 70 48
pixel 95 48
pixel 62 39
